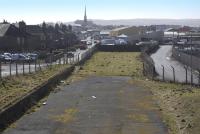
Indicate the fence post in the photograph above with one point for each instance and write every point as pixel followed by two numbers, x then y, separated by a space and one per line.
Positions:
pixel 23 68
pixel 35 65
pixel 39 65
pixel 29 67
pixel 16 69
pixel 199 77
pixel 191 77
pixel 64 60
pixel 186 75
pixel 163 72
pixel 173 74
pixel 143 68
pixel 10 69
pixel 0 70
pixel 67 58
pixel 59 61
pixel 78 57
pixel 154 72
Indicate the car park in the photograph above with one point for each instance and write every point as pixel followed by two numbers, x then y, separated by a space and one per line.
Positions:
pixel 5 58
pixel 20 57
pixel 32 56
pixel 70 55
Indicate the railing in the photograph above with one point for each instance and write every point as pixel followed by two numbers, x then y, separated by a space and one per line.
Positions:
pixel 15 68
pixel 167 73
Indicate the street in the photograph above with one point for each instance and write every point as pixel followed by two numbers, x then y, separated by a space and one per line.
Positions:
pixel 164 57
pixel 78 55
pixel 95 105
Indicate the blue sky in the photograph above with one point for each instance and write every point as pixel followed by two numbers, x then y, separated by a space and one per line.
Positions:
pixel 36 11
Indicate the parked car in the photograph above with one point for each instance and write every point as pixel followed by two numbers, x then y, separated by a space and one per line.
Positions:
pixel 7 54
pixel 82 47
pixel 32 56
pixel 1 57
pixel 70 55
pixel 5 58
pixel 20 57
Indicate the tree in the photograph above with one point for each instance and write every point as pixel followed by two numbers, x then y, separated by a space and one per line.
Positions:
pixel 44 26
pixel 70 28
pixel 64 28
pixel 57 27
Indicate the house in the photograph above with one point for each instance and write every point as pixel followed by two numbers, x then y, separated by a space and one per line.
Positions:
pixel 37 40
pixel 154 35
pixel 134 33
pixel 11 38
pixel 104 34
pixel 123 36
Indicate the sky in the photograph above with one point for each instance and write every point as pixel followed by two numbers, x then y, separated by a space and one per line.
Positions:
pixel 37 11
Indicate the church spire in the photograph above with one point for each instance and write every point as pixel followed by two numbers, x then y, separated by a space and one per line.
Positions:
pixel 85 16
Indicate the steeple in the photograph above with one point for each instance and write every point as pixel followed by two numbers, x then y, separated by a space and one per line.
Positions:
pixel 85 16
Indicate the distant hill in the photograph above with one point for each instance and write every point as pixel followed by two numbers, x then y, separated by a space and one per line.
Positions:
pixel 139 22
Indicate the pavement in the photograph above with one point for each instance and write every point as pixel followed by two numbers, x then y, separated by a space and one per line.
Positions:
pixel 95 105
pixel 164 57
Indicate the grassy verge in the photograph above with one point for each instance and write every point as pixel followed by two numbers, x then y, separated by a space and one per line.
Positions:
pixel 178 103
pixel 14 88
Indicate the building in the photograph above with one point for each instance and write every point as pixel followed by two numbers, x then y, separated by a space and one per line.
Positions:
pixel 37 38
pixel 134 33
pixel 154 35
pixel 11 38
pixel 104 34
pixel 129 31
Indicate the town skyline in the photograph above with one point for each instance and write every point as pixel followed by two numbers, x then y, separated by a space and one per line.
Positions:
pixel 35 11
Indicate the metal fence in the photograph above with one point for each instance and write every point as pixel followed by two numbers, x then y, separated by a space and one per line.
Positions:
pixel 167 73
pixel 9 69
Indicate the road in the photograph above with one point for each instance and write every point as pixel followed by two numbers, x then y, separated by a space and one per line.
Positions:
pixel 164 57
pixel 95 105
pixel 78 55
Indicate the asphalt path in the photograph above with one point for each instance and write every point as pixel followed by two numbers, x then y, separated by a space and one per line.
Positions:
pixel 95 105
pixel 164 57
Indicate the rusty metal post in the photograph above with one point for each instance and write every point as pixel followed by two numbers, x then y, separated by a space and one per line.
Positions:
pixel 163 72
pixel 40 65
pixel 154 72
pixel 23 68
pixel 29 67
pixel 191 76
pixel 78 57
pixel 186 75
pixel 199 77
pixel 10 66
pixel 35 65
pixel 0 70
pixel 143 69
pixel 64 60
pixel 173 74
pixel 16 69
pixel 59 61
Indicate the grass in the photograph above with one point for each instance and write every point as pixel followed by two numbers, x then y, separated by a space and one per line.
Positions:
pixel 14 88
pixel 178 103
pixel 67 116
